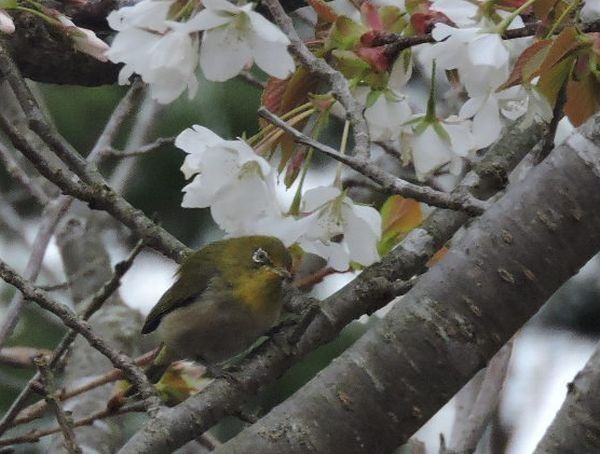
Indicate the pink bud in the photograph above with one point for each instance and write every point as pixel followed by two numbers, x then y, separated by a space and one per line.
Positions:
pixel 84 40
pixel 6 23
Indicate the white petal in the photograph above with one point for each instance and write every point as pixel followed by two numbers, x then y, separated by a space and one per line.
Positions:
pixel 197 139
pixel 247 154
pixel 471 107
pixel 361 241
pixel 488 50
pixel 147 14
pixel 266 30
pixel 370 215
pixel 196 194
pixel 429 153
pixel 487 124
pixel 460 137
pixel 317 197
pixel 238 206
pixel 459 11
pixel 224 54
pixel 175 50
pixel 274 59
pixel 221 5
pixel 204 20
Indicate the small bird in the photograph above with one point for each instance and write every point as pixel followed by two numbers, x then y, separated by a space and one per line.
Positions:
pixel 225 297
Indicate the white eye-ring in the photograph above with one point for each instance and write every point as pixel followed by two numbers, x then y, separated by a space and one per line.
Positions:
pixel 261 256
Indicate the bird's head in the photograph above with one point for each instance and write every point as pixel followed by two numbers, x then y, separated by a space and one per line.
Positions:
pixel 257 256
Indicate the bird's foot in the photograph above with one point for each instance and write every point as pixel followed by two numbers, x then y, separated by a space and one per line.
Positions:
pixel 217 371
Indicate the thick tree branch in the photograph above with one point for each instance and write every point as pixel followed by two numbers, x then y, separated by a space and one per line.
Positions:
pixel 384 387
pixel 576 427
pixel 365 294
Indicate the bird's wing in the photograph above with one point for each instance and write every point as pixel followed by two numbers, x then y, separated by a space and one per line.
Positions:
pixel 193 277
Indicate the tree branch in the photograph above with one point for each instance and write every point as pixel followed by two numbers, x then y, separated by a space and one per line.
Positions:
pixel 50 396
pixel 365 294
pixel 73 321
pixel 576 425
pixel 393 379
pixel 463 201
pixel 339 84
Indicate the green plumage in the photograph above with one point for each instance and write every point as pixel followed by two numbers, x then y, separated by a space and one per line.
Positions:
pixel 225 296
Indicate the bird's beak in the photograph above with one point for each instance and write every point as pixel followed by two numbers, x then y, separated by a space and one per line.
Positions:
pixel 283 272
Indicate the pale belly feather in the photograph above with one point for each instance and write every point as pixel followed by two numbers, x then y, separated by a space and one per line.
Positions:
pixel 213 331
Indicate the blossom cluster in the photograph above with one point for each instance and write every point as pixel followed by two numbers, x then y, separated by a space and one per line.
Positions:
pixel 165 42
pixel 162 44
pixel 242 192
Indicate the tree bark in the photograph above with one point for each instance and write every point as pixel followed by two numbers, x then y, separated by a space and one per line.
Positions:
pixel 174 427
pixel 576 427
pixel 450 324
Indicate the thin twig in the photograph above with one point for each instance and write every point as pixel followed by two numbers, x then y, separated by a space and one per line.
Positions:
pixel 52 215
pixel 96 301
pixel 99 196
pixel 249 78
pixel 339 84
pixel 153 146
pixel 454 201
pixel 15 171
pixel 92 187
pixel 395 42
pixel 65 423
pixel 37 409
pixel 20 356
pixel 73 321
pixel 35 435
pixel 55 209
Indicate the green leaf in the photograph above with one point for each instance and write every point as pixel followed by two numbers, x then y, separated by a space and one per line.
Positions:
pixel 345 34
pixel 399 216
pixel 350 64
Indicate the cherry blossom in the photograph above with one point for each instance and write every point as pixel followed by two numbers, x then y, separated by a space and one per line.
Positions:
pixel 164 53
pixel 436 143
pixel 84 40
pixel 386 115
pixel 235 37
pixel 241 190
pixel 335 214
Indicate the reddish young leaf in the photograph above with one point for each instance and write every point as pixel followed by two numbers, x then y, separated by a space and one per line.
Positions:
pixel 377 57
pixel 551 81
pixel 423 22
pixel 564 46
pixel 399 216
pixel 370 16
pixel 583 98
pixel 323 10
pixel 528 64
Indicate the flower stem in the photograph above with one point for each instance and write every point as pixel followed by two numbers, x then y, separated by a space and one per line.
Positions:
pixel 338 172
pixel 502 26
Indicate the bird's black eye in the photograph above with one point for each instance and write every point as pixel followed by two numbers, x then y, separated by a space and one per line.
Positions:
pixel 261 256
